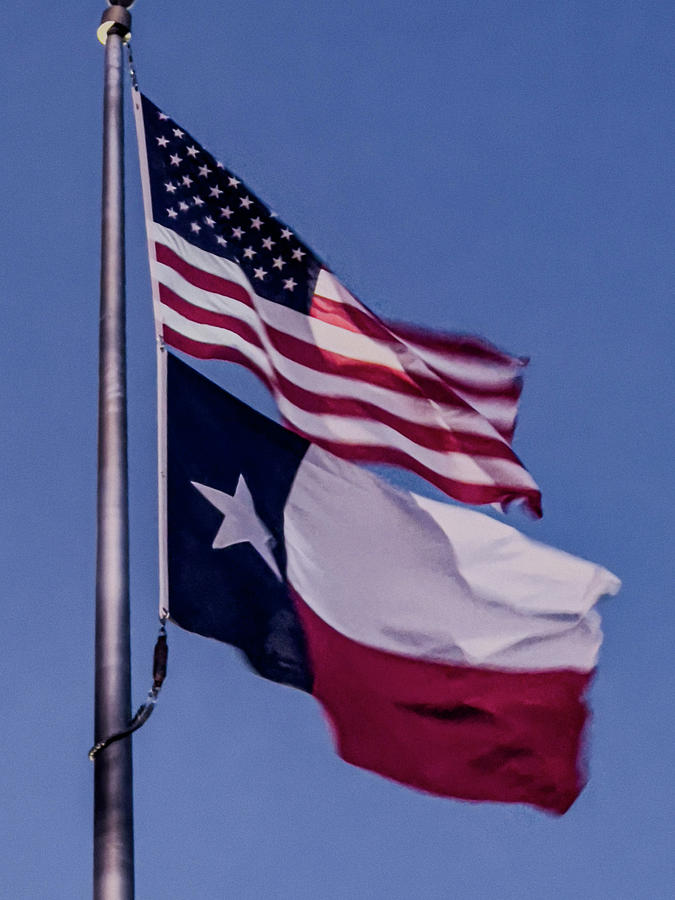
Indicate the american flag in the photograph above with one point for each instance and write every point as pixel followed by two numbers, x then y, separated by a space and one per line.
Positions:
pixel 232 282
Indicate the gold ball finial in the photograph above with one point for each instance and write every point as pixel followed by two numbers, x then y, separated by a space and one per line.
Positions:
pixel 116 19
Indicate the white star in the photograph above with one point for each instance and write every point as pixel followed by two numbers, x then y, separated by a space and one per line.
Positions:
pixel 172 213
pixel 221 240
pixel 220 165
pixel 187 181
pixel 245 202
pixel 192 151
pixel 290 284
pixel 237 232
pixel 182 206
pixel 286 233
pixel 233 182
pixel 241 524
pixel 198 201
pixel 225 211
pixel 210 222
pixel 278 262
pixel 162 141
pixel 196 227
pixel 215 191
pixel 268 243
pixel 204 171
pixel 175 160
pixel 171 187
pixel 256 223
pixel 178 132
pixel 259 273
pixel 162 116
pixel 298 254
pixel 249 253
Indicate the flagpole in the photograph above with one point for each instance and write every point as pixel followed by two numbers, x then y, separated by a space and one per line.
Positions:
pixel 113 796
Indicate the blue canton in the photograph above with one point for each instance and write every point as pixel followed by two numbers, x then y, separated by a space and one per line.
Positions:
pixel 207 205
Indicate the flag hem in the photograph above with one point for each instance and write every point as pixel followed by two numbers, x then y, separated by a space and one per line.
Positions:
pixel 162 532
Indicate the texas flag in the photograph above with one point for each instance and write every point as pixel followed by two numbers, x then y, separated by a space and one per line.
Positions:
pixel 449 652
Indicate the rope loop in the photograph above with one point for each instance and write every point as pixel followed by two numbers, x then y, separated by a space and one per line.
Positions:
pixel 144 711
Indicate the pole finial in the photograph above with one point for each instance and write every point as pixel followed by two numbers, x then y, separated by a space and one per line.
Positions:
pixel 115 20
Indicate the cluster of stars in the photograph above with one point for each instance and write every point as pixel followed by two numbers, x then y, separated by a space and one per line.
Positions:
pixel 211 207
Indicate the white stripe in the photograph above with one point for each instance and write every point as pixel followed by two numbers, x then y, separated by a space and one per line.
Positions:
pixel 207 262
pixel 431 581
pixel 473 372
pixel 328 286
pixel 355 431
pixel 415 409
pixel 470 470
pixel 342 430
pixel 203 299
pixel 209 334
pixel 501 414
pixel 305 328
pixel 331 337
pixel 484 418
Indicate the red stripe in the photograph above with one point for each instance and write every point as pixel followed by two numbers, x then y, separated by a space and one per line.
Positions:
pixel 347 316
pixel 457 731
pixel 208 317
pixel 507 433
pixel 474 494
pixel 213 351
pixel 352 318
pixel 441 439
pixel 359 321
pixel 308 354
pixel 412 384
pixel 314 357
pixel 204 280
pixel 466 347
pixel 438 387
pixel 508 392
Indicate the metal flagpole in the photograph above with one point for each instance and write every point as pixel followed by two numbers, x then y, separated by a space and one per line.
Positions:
pixel 113 798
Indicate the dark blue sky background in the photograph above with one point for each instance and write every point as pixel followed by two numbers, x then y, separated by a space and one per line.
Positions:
pixel 499 168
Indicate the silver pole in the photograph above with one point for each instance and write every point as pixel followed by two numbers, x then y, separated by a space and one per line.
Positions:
pixel 113 792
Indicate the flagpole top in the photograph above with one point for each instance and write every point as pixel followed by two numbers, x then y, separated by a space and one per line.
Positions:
pixel 115 20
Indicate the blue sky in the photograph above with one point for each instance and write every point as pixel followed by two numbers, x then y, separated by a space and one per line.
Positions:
pixel 498 168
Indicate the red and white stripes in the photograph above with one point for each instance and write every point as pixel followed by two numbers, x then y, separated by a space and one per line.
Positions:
pixel 440 405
